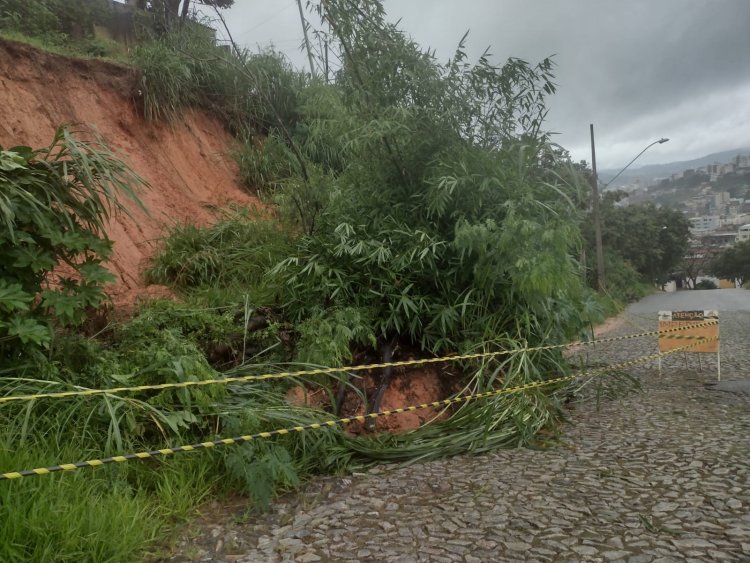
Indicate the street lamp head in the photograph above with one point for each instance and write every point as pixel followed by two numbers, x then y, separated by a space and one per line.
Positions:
pixel 662 140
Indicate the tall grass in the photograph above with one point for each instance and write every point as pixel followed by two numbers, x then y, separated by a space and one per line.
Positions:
pixel 101 515
pixel 249 92
pixel 168 85
pixel 236 252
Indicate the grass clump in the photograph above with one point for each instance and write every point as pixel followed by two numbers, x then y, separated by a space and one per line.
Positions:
pixel 236 252
pixel 112 514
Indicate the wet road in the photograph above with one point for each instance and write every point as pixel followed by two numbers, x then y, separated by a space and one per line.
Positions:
pixel 721 299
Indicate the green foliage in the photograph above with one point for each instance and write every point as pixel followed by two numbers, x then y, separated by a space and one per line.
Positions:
pixel 94 516
pixel 327 337
pixel 653 240
pixel 71 18
pixel 736 185
pixel 151 349
pixel 61 26
pixel 733 263
pixel 263 469
pixel 236 253
pixel 32 17
pixel 265 167
pixel 706 284
pixel 53 206
pixel 250 93
pixel 624 282
pixel 421 203
pixel 504 421
pixel 170 81
pixel 446 223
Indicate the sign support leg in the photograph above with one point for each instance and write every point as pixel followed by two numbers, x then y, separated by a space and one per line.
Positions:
pixel 718 361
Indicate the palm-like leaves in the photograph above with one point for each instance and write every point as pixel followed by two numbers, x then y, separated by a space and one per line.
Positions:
pixel 54 203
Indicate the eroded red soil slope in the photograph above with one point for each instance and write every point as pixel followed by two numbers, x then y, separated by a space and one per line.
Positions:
pixel 187 164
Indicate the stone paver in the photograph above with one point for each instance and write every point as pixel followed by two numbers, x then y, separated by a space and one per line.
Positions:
pixel 657 476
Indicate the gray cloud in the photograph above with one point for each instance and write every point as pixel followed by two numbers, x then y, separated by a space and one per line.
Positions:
pixel 638 70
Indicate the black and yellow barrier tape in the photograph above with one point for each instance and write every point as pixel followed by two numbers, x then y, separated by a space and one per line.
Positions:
pixel 336 422
pixel 679 336
pixel 321 371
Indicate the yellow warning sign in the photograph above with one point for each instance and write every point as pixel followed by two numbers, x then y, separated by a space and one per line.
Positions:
pixel 678 319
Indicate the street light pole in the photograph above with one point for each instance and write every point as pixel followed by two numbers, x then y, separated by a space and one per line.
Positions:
pixel 595 204
pixel 659 142
pixel 600 281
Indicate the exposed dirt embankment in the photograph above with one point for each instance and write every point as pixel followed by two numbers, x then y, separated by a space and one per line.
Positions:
pixel 187 164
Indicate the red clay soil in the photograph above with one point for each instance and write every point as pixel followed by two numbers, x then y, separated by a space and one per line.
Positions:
pixel 187 164
pixel 413 386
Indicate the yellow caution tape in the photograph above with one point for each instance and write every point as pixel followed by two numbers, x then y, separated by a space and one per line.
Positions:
pixel 335 422
pixel 322 371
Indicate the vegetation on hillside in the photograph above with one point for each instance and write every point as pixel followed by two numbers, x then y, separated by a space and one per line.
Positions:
pixel 676 193
pixel 65 26
pixel 733 263
pixel 415 208
pixel 54 203
pixel 644 245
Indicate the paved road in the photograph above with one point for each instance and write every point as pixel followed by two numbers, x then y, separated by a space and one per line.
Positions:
pixel 720 299
pixel 650 477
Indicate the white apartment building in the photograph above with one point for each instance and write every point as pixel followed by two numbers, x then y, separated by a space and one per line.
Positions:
pixel 704 223
pixel 744 233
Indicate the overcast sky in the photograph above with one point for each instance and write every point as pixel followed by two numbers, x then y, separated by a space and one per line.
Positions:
pixel 638 69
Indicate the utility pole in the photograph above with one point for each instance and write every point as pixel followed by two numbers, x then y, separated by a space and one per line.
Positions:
pixel 326 61
pixel 307 40
pixel 597 217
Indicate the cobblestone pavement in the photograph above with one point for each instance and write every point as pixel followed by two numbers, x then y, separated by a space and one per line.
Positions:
pixel 656 476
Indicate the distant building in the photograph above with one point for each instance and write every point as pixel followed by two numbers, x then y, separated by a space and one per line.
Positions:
pixel 720 239
pixel 704 224
pixel 744 233
pixel 713 171
pixel 124 20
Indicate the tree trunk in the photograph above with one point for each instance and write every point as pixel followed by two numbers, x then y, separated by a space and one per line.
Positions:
pixel 385 379
pixel 171 12
pixel 185 9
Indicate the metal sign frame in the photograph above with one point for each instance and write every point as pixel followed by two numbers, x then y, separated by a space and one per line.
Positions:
pixel 677 319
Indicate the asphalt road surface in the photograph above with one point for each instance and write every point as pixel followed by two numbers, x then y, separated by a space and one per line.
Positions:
pixel 693 300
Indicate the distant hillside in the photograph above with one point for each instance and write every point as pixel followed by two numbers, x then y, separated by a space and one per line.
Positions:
pixel 651 171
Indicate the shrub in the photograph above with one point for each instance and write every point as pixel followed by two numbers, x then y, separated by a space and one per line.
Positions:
pixel 706 284
pixel 167 82
pixel 236 252
pixel 53 205
pixel 250 93
pixel 624 282
pixel 72 18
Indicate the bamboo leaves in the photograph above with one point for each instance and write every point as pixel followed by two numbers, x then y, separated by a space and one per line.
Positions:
pixel 447 191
